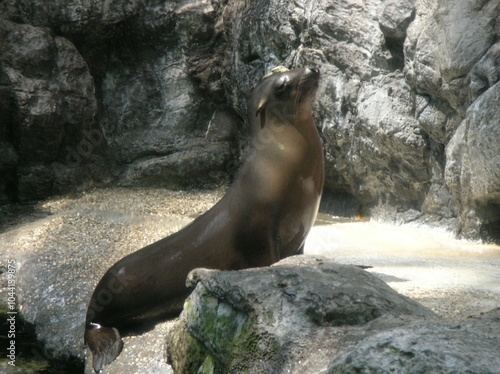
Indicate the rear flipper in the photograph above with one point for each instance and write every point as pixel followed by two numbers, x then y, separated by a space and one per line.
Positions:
pixel 105 343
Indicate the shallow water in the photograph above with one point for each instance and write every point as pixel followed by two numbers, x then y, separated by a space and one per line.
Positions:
pixel 409 256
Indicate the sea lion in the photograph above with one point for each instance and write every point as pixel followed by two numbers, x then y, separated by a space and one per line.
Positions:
pixel 264 217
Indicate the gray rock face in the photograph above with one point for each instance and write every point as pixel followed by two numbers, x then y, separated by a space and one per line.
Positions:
pixel 156 118
pixel 133 108
pixel 395 18
pixel 289 318
pixel 473 173
pixel 401 81
pixel 444 43
pixel 48 96
pixel 470 346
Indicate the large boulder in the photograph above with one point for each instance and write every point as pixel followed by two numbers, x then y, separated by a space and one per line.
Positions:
pixel 465 346
pixel 290 318
pixel 451 62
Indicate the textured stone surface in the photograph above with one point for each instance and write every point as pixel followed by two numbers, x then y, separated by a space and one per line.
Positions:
pixel 48 95
pixel 466 346
pixel 399 80
pixel 289 318
pixel 444 43
pixel 395 18
pixel 146 123
pixel 473 170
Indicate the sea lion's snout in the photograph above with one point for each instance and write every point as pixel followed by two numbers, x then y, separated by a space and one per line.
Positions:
pixel 309 81
pixel 310 74
pixel 312 71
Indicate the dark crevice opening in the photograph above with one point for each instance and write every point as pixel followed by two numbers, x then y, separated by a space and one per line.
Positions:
pixel 341 204
pixel 9 138
pixel 396 49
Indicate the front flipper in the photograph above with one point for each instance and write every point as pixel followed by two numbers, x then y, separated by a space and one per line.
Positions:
pixel 105 343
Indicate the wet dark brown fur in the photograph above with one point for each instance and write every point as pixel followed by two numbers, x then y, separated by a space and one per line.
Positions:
pixel 264 217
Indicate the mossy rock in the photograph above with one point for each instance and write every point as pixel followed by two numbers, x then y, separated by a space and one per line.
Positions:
pixel 219 340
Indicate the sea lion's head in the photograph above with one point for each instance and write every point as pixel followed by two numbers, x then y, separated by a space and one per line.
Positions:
pixel 282 96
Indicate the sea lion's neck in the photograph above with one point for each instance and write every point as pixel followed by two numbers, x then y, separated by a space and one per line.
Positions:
pixel 304 123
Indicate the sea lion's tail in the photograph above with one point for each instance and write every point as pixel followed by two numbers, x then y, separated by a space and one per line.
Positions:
pixel 105 343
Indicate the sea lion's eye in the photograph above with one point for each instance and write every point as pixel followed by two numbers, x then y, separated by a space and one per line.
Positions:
pixel 282 83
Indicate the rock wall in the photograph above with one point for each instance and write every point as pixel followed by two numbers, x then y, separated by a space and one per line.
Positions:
pixel 149 92
pixel 48 107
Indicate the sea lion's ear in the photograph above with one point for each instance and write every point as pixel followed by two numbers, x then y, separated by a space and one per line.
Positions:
pixel 261 109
